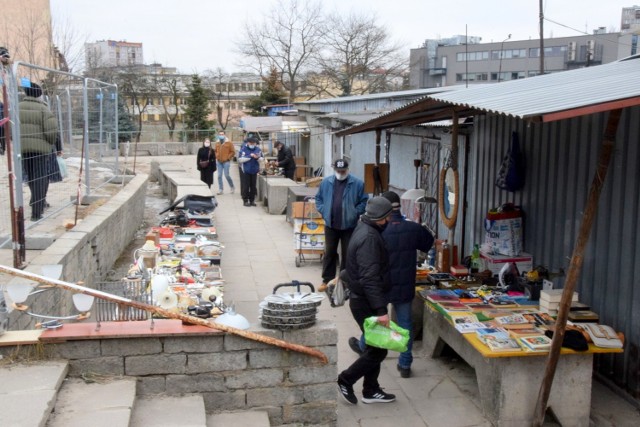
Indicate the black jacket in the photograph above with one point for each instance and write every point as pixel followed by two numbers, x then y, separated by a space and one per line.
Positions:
pixel 368 265
pixel 285 158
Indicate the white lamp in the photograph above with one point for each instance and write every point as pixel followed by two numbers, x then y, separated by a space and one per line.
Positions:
pixel 19 292
pixel 82 302
pixel 233 319
pixel 52 271
pixel 159 284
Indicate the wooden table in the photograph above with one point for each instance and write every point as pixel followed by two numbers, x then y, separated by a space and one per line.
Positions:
pixel 509 381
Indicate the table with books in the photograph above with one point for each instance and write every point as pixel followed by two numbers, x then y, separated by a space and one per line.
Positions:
pixel 505 343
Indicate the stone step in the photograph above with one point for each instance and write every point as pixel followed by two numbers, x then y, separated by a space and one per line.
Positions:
pixel 28 392
pixel 169 411
pixel 239 419
pixel 104 403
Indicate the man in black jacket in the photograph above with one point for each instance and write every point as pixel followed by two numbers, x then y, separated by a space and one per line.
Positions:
pixel 285 159
pixel 368 269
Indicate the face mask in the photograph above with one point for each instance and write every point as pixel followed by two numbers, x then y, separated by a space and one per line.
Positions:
pixel 341 176
pixel 207 144
pixel 221 138
pixel 251 146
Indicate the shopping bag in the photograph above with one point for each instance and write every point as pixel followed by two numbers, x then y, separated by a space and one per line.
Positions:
pixel 337 290
pixel 62 165
pixel 392 338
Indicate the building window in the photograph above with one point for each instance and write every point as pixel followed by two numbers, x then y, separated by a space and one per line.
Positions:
pixel 550 51
pixel 472 56
pixel 472 77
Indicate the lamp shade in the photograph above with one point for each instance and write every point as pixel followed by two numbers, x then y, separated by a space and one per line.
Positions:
pixel 82 302
pixel 52 271
pixel 233 319
pixel 19 292
pixel 159 284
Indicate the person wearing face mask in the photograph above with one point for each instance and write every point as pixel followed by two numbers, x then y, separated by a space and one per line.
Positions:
pixel 225 151
pixel 285 159
pixel 249 159
pixel 403 238
pixel 340 200
pixel 368 272
pixel 206 162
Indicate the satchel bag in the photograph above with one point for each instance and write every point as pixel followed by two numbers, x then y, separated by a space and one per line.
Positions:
pixel 203 164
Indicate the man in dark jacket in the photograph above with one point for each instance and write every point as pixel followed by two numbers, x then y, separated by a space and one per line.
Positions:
pixel 38 134
pixel 404 238
pixel 285 159
pixel 249 159
pixel 368 269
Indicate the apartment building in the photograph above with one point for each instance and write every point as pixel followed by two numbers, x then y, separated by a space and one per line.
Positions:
pixel 448 62
pixel 111 53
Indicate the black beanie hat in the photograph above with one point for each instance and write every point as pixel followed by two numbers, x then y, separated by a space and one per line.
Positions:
pixel 393 198
pixel 378 208
pixel 34 91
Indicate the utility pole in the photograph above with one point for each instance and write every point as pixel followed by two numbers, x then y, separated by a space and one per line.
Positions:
pixel 541 39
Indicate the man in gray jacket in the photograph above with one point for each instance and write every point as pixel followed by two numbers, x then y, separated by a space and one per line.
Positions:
pixel 38 133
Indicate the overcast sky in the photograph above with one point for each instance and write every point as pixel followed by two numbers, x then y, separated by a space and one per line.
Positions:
pixel 196 35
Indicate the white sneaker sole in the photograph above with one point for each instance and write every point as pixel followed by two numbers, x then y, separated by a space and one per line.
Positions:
pixel 373 400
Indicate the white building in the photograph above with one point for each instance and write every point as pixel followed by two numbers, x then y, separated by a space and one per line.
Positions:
pixel 111 53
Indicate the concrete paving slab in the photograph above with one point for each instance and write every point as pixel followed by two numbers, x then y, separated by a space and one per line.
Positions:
pixel 28 392
pixel 107 403
pixel 169 411
pixel 239 419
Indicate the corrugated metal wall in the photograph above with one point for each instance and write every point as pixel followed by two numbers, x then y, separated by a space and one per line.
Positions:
pixel 561 158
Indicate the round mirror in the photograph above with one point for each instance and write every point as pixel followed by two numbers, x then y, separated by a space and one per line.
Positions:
pixel 448 197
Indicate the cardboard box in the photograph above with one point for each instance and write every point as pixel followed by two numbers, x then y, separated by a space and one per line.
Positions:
pixel 524 261
pixel 308 226
pixel 304 210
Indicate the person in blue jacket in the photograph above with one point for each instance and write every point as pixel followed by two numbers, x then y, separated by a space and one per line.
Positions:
pixel 250 155
pixel 340 200
pixel 403 239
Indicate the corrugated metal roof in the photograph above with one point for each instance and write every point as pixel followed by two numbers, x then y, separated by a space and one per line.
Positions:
pixel 401 93
pixel 543 98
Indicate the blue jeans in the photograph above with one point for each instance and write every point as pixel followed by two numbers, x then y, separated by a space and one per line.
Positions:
pixel 224 168
pixel 403 319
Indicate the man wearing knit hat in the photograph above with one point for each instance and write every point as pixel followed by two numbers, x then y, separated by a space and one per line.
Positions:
pixel 368 281
pixel 403 238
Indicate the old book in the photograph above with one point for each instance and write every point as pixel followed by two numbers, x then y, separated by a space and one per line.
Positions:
pixel 511 319
pixel 583 316
pixel 465 328
pixel 525 332
pixel 497 339
pixel 555 295
pixel 453 306
pixel 463 317
pixel 439 295
pixel 536 342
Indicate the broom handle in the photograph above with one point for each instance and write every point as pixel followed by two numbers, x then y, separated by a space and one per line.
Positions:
pixel 165 313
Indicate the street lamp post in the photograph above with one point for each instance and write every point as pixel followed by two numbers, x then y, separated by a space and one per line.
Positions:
pixel 501 55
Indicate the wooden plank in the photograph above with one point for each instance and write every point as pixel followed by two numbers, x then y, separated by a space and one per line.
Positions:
pixel 29 337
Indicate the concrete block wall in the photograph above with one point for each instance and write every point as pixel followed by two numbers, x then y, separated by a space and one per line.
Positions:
pixel 230 372
pixel 88 251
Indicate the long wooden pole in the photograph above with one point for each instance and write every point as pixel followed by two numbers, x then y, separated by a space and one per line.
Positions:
pixel 165 313
pixel 575 265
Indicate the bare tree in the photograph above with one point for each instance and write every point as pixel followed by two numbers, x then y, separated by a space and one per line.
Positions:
pixel 218 82
pixel 288 39
pixel 135 87
pixel 170 89
pixel 359 56
pixel 69 44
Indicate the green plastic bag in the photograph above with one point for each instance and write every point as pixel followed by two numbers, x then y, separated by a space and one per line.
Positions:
pixel 392 338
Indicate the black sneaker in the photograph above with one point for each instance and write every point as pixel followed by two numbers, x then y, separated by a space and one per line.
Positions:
pixel 404 372
pixel 354 344
pixel 346 391
pixel 378 397
pixel 246 203
pixel 252 204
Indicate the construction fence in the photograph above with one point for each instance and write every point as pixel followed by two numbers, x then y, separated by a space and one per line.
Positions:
pixel 59 145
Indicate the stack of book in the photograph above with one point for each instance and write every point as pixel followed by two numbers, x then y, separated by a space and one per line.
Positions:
pixel 550 300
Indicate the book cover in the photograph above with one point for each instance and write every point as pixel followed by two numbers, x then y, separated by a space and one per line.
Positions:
pixel 555 295
pixel 512 319
pixel 465 328
pixel 492 313
pixel 502 302
pixel 539 319
pixel 476 306
pixel 463 317
pixel 453 306
pixel 525 332
pixel 583 316
pixel 537 342
pixel 439 295
pixel 497 339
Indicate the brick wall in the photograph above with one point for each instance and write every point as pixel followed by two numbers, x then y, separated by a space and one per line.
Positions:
pixel 230 372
